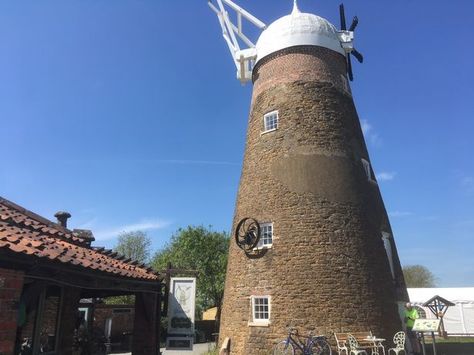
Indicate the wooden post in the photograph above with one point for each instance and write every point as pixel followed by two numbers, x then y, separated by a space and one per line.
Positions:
pixel 67 319
pixel 423 344
pixel 167 290
pixel 434 343
pixel 145 327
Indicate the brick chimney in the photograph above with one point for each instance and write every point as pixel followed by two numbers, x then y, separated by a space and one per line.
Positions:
pixel 62 218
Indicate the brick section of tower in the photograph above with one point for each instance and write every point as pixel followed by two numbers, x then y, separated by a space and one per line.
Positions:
pixel 327 269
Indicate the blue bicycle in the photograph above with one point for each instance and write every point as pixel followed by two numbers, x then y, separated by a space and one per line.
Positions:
pixel 314 345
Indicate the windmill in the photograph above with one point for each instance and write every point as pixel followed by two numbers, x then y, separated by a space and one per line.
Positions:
pixel 313 245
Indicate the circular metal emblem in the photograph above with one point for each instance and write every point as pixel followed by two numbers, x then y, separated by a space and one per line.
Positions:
pixel 247 234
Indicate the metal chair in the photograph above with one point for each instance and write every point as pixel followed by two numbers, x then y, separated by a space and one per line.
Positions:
pixel 341 345
pixel 342 349
pixel 354 346
pixel 399 341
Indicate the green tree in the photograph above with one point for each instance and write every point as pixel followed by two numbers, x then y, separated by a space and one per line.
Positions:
pixel 204 251
pixel 135 245
pixel 418 276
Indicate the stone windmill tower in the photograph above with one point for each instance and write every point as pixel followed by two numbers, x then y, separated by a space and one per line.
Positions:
pixel 313 246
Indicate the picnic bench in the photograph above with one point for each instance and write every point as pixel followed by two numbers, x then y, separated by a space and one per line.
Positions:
pixel 366 340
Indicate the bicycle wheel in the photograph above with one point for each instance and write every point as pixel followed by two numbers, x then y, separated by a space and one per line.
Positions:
pixel 284 348
pixel 320 347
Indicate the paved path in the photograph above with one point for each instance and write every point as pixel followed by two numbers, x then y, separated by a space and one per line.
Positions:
pixel 198 349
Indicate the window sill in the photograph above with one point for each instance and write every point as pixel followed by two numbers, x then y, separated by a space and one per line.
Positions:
pixel 268 131
pixel 270 246
pixel 259 324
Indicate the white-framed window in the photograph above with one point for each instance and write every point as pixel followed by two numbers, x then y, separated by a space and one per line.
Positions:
pixel 368 170
pixel 345 84
pixel 270 121
pixel 261 309
pixel 266 235
pixel 388 249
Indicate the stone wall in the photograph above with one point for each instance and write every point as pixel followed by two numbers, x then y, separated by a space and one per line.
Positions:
pixel 11 284
pixel 327 269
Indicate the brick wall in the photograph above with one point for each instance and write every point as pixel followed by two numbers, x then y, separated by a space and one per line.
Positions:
pixel 11 284
pixel 122 319
pixel 328 268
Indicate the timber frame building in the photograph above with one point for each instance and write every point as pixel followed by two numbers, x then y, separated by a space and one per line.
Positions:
pixel 46 269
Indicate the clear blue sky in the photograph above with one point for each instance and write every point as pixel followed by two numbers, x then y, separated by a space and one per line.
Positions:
pixel 127 114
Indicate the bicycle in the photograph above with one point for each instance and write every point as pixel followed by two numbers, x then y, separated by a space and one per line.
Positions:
pixel 314 345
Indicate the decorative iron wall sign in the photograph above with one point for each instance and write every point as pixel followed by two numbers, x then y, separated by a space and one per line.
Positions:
pixel 247 234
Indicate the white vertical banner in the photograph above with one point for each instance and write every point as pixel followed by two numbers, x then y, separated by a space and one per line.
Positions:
pixel 181 306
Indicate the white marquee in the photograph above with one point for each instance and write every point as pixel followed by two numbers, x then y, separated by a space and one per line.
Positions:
pixel 458 319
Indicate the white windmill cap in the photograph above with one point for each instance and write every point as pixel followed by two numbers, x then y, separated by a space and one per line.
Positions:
pixel 298 29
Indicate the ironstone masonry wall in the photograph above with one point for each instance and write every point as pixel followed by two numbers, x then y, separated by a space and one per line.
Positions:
pixel 328 268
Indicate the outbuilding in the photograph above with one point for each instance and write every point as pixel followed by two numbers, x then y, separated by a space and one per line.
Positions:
pixel 46 269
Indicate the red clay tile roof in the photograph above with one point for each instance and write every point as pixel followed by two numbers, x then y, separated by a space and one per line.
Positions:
pixel 22 231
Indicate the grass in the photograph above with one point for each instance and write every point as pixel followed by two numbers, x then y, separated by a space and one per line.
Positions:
pixel 451 340
pixel 213 350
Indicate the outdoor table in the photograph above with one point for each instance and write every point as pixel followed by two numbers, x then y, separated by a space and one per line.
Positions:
pixel 374 344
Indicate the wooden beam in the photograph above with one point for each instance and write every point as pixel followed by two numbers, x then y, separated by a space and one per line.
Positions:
pixel 75 276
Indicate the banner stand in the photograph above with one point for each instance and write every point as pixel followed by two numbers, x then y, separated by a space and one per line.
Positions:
pixel 181 310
